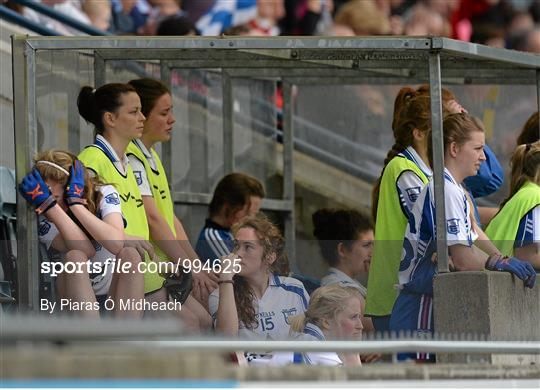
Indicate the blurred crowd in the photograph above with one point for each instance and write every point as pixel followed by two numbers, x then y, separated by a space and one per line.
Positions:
pixel 511 24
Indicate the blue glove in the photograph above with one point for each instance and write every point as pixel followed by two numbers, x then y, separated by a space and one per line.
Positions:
pixel 74 192
pixel 36 192
pixel 521 269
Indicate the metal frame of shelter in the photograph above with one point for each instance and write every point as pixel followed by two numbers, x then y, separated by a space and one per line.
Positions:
pixel 294 61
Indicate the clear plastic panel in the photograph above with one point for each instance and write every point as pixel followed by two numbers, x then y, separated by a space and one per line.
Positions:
pixel 59 77
pixel 197 149
pixel 352 123
pixel 503 109
pixel 192 218
pixel 256 147
pixel 124 71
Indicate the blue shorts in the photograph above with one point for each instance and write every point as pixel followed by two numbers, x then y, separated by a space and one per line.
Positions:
pixel 381 323
pixel 413 313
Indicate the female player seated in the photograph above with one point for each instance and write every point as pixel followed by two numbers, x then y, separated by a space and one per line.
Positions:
pixel 166 231
pixel 346 241
pixel 515 230
pixel 334 313
pixel 468 246
pixel 257 301
pixel 81 218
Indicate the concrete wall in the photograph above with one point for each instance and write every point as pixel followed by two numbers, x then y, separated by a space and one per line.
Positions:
pixel 491 303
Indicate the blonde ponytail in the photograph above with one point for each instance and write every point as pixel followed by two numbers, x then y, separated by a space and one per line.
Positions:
pixel 298 323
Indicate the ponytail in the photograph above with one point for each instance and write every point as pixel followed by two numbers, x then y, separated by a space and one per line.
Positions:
pixel 529 133
pixel 411 111
pixel 86 104
pixel 93 103
pixel 297 323
pixel 525 165
pixel 404 95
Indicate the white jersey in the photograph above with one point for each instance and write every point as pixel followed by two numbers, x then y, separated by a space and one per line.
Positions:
pixel 284 297
pixel 314 333
pixel 311 332
pixel 139 171
pixel 335 276
pixel 110 203
pixel 409 184
pixel 417 266
pixel 529 228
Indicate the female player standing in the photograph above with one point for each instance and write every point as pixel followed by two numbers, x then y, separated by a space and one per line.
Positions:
pixel 468 246
pixel 515 230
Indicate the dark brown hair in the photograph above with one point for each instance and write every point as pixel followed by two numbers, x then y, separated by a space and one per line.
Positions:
pixel 332 226
pixel 273 244
pixel 412 110
pixel 149 90
pixel 530 132
pixel 525 165
pixel 93 103
pixel 234 191
pixel 414 113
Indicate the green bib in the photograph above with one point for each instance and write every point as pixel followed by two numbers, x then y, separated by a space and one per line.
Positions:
pixel 160 189
pixel 502 229
pixel 95 158
pixel 389 234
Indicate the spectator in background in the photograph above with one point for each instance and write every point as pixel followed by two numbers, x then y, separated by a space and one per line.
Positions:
pixel 520 21
pixel 304 17
pixel 534 10
pixel 393 10
pixel 129 15
pixel 470 14
pixel 226 13
pixel 363 17
pixel 265 23
pixel 268 15
pixel 340 30
pixel 161 9
pixel 236 196
pixel 489 35
pixel 423 21
pixel 532 41
pixel 99 12
pixel 195 9
pixel 176 25
pixel 67 7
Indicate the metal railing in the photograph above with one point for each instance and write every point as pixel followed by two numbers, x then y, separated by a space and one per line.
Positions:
pixel 62 18
pixel 169 334
pixel 15 17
